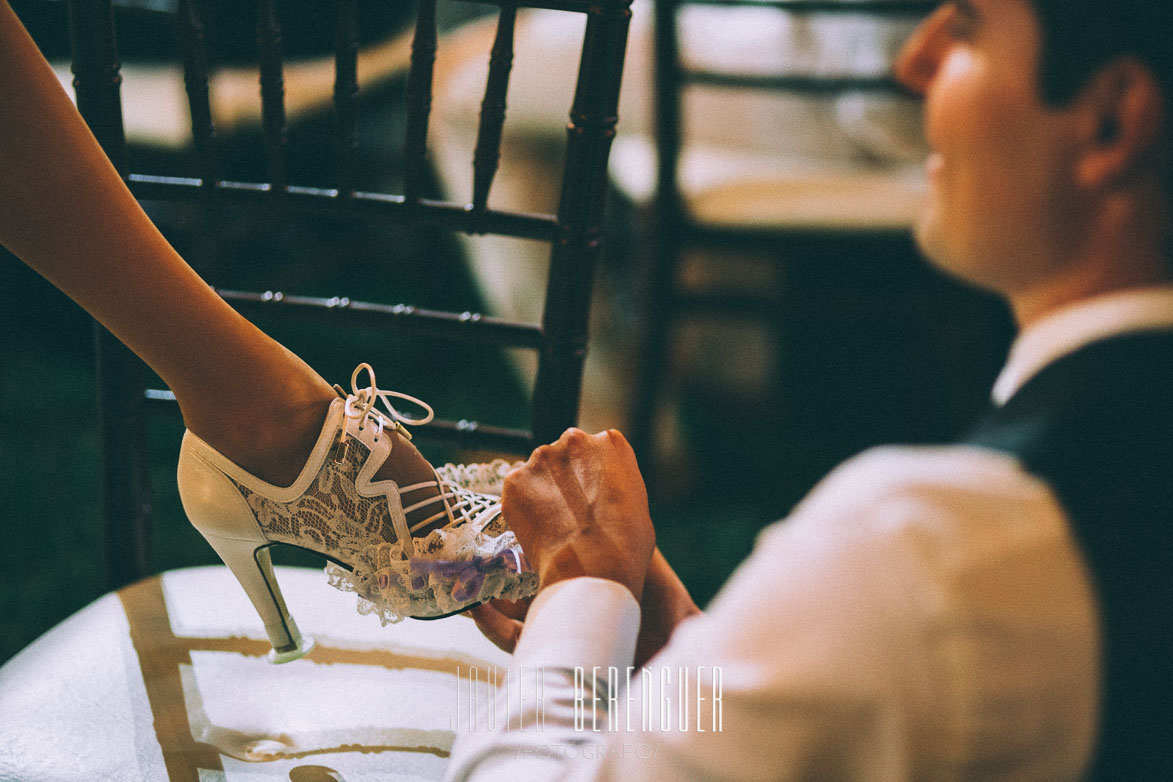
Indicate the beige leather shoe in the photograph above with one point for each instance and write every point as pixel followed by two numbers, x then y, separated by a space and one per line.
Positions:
pixel 337 509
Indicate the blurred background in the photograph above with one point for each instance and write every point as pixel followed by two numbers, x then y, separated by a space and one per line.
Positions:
pixel 855 341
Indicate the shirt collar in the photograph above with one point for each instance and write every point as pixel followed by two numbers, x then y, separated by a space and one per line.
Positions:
pixel 1070 328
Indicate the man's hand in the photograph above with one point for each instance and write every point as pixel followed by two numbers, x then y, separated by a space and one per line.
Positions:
pixel 500 621
pixel 579 508
pixel 665 603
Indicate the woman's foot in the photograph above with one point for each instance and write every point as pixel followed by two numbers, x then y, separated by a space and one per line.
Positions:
pixel 408 547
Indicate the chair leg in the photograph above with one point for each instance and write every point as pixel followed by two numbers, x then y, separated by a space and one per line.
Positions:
pixel 126 504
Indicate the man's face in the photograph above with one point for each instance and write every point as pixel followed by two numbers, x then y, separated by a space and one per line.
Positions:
pixel 1000 196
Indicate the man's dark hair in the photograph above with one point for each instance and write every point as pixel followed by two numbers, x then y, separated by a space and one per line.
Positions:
pixel 1080 36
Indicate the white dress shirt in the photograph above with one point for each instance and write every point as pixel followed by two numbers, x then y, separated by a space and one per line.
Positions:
pixel 924 614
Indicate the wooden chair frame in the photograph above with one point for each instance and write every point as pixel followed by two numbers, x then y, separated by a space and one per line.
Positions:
pixel 574 231
pixel 673 229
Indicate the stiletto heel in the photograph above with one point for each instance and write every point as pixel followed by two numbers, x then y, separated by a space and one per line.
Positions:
pixel 220 514
pixel 253 568
pixel 338 509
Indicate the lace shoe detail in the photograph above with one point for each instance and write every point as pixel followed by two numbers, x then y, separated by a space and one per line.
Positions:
pixel 457 550
pixel 331 516
pixel 473 559
pixel 484 478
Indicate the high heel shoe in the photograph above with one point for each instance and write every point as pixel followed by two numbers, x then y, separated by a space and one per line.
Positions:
pixel 336 509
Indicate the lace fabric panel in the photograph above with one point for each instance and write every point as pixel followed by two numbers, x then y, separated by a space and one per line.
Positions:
pixel 472 560
pixel 331 517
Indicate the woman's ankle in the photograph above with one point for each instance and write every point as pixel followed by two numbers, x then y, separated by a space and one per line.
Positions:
pixel 271 440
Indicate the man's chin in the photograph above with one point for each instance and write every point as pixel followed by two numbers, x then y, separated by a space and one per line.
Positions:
pixel 944 256
pixel 930 242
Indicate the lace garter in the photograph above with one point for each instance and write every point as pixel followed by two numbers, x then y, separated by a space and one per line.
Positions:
pixel 453 567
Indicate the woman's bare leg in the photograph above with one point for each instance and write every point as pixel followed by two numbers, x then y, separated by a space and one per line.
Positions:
pixel 65 211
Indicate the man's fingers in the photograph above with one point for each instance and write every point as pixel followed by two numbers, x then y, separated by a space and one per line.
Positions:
pixel 514 609
pixel 496 626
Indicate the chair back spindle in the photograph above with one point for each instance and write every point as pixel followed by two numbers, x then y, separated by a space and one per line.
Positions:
pixel 194 44
pixel 488 144
pixel 126 497
pixel 419 101
pixel 590 132
pixel 346 94
pixel 272 93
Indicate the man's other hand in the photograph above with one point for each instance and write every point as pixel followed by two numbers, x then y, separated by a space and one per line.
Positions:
pixel 579 508
pixel 665 603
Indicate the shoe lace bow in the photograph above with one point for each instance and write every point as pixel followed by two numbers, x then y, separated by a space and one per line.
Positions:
pixel 362 404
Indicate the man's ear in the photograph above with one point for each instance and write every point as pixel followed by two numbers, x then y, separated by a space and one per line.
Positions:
pixel 1123 119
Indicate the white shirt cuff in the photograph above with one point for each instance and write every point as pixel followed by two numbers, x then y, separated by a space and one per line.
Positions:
pixel 581 622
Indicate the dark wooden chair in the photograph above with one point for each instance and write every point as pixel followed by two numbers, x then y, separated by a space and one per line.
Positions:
pixel 573 232
pixel 165 678
pixel 833 240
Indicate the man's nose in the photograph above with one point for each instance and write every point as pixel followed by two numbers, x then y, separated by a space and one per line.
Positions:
pixel 917 64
